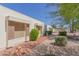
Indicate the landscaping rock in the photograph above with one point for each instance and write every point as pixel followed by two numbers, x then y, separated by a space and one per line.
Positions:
pixel 23 49
pixel 46 48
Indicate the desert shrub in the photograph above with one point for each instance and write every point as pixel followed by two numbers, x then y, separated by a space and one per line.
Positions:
pixel 62 33
pixel 47 33
pixel 34 34
pixel 61 40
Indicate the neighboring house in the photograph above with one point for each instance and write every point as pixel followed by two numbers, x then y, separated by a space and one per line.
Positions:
pixel 48 27
pixel 57 30
pixel 15 27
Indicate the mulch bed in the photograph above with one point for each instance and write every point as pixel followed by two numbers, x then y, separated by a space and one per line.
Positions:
pixel 23 49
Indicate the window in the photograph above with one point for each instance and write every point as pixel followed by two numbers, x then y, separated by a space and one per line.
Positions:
pixel 18 26
pixel 15 29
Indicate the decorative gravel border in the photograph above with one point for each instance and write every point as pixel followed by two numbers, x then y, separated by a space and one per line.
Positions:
pixel 23 49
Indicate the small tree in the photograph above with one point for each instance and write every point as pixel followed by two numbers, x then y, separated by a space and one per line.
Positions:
pixel 34 34
pixel 70 13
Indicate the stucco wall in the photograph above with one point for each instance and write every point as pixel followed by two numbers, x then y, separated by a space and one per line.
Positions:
pixel 48 27
pixel 2 32
pixel 15 42
pixel 15 16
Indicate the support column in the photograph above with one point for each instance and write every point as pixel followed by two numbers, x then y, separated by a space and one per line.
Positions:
pixel 26 32
pixel 6 29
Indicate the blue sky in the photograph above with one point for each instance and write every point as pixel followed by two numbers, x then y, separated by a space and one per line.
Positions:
pixel 39 11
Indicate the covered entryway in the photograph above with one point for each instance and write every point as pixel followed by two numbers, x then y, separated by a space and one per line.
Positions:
pixel 27 28
pixel 39 28
pixel 17 32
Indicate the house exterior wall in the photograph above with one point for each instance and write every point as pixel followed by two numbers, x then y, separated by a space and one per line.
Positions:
pixel 14 16
pixel 49 27
pixel 2 32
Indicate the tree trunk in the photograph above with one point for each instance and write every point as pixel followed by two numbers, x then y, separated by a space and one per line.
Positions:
pixel 72 26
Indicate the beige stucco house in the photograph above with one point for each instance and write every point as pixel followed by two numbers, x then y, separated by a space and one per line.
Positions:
pixel 15 27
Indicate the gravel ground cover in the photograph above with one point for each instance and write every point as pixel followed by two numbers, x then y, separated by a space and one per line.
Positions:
pixel 23 49
pixel 47 48
pixel 43 47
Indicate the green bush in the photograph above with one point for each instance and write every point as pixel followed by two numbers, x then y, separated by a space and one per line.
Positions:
pixel 61 40
pixel 47 33
pixel 62 33
pixel 34 34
